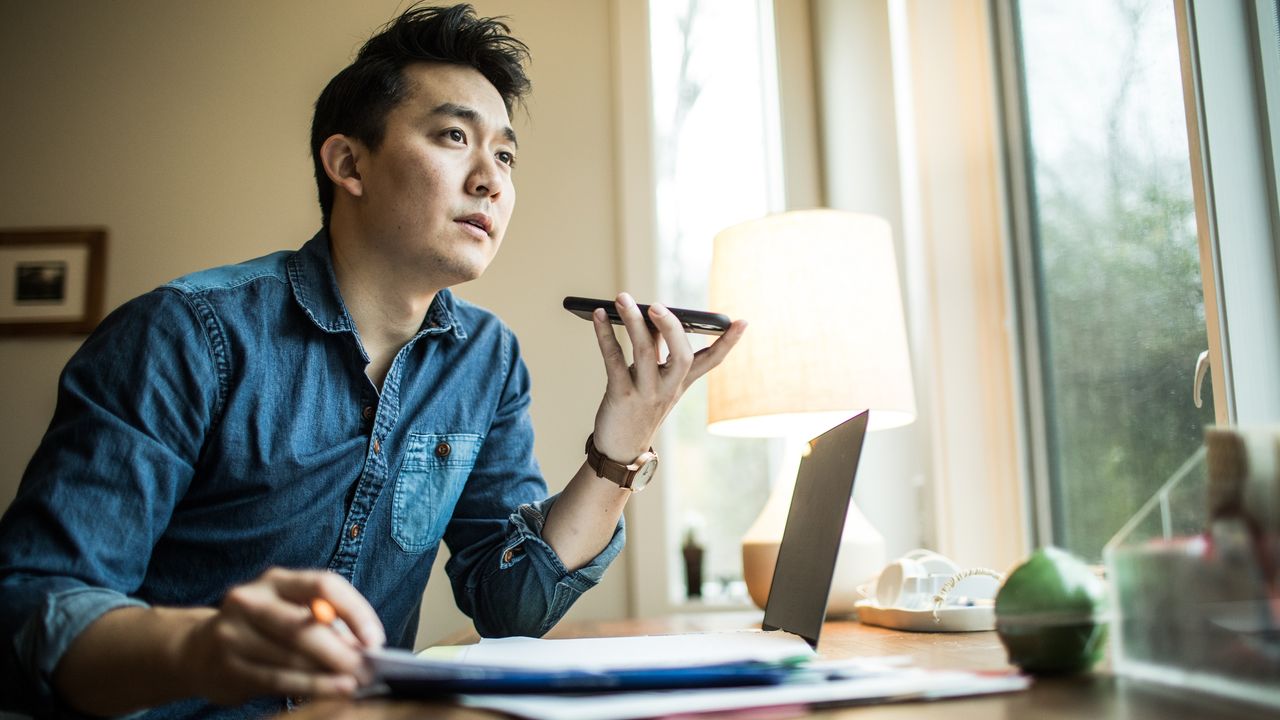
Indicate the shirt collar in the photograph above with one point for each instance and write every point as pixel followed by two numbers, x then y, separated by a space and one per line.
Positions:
pixel 441 317
pixel 315 288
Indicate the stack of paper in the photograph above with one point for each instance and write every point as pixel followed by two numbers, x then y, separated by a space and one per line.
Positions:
pixel 643 651
pixel 529 665
pixel 637 677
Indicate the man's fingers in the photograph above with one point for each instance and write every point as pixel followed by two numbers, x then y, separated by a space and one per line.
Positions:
pixel 643 345
pixel 241 639
pixel 278 621
pixel 261 607
pixel 615 362
pixel 709 357
pixel 679 353
pixel 303 586
pixel 276 607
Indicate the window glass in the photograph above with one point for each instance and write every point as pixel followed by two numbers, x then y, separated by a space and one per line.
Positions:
pixel 1117 276
pixel 713 99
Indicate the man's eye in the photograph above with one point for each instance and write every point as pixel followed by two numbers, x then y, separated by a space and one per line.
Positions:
pixel 507 158
pixel 456 135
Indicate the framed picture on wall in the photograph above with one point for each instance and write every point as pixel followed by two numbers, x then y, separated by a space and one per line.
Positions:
pixel 51 281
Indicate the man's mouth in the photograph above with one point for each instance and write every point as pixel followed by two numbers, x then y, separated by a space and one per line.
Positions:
pixel 477 220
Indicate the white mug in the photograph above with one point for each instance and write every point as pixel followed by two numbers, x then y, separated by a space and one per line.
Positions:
pixel 911 581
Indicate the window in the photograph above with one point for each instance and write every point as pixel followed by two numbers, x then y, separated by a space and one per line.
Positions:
pixel 1111 286
pixel 1231 67
pixel 717 163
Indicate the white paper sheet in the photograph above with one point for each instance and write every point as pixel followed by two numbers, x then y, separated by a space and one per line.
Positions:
pixel 888 686
pixel 645 651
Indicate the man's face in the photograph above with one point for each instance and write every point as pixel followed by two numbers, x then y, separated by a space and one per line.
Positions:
pixel 438 192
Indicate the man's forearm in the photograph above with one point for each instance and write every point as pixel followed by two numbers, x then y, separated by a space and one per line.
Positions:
pixel 584 517
pixel 128 659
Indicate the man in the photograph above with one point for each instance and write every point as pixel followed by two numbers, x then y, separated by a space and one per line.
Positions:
pixel 333 408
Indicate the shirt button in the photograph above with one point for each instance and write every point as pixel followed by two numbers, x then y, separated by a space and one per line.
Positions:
pixel 377 446
pixel 442 450
pixel 355 531
pixel 506 557
pixel 367 413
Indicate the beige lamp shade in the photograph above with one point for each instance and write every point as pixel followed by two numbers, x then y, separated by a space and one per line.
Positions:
pixel 827 338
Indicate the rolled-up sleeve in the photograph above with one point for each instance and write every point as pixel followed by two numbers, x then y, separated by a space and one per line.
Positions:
pixel 504 575
pixel 133 406
pixel 64 608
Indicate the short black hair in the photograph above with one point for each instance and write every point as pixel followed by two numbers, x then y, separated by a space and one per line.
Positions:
pixel 357 100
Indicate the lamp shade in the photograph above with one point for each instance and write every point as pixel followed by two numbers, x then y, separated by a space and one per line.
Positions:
pixel 827 337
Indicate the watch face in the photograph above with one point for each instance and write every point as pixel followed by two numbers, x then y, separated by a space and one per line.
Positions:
pixel 648 466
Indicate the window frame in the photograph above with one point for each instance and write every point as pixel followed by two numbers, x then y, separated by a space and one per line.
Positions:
pixel 1231 90
pixel 1018 191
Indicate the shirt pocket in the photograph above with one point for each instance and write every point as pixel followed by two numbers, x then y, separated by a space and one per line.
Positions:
pixel 434 469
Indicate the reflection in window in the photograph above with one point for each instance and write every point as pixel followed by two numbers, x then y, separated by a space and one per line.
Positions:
pixel 1117 275
pixel 714 99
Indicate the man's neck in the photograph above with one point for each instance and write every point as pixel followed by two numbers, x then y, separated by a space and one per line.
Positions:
pixel 386 310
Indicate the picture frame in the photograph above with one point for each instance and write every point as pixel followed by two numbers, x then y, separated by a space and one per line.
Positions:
pixel 51 281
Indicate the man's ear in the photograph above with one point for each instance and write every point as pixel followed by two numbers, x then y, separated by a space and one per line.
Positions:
pixel 339 154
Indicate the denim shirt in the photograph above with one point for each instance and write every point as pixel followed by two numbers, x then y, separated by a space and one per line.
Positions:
pixel 223 424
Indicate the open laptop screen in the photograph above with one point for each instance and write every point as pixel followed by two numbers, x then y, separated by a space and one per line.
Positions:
pixel 807 556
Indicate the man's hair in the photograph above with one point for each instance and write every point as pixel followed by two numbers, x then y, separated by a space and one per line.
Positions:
pixel 357 100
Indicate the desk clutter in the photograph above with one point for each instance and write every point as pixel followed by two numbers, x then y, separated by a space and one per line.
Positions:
pixel 653 676
pixel 1195 574
pixel 924 591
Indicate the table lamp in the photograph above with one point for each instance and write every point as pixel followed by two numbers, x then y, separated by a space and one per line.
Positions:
pixel 827 341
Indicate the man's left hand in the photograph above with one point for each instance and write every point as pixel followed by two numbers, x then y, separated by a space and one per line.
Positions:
pixel 638 397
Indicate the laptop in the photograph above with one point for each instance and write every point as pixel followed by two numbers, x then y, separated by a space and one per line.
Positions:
pixel 811 541
pixel 797 605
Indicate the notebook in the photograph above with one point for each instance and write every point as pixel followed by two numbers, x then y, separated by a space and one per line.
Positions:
pixel 793 618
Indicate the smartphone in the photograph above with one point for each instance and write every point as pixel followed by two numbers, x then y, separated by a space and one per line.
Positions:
pixel 694 321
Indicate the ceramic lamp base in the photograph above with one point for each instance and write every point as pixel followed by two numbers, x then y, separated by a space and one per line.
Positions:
pixel 862 554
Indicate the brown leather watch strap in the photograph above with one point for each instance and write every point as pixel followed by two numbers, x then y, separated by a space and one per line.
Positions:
pixel 622 474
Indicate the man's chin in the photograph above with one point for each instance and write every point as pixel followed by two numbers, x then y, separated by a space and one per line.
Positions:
pixel 460 272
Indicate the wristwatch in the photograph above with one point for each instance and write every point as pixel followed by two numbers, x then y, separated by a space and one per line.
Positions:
pixel 634 476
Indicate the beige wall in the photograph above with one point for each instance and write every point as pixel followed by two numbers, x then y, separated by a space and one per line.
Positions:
pixel 182 128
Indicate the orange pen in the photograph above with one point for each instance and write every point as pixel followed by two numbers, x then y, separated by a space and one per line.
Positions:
pixel 323 612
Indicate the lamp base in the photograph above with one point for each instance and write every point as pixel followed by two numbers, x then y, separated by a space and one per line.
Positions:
pixel 862 555
pixel 758 560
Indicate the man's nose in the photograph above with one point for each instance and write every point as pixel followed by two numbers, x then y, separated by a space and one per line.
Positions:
pixel 486 178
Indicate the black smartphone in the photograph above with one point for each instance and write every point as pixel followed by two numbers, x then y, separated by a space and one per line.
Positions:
pixel 694 321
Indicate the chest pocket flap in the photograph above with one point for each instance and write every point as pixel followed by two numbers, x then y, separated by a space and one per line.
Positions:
pixel 434 469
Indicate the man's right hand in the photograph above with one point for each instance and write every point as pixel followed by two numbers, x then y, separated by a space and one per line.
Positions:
pixel 263 640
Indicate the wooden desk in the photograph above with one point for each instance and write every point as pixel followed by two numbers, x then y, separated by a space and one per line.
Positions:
pixel 1097 695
